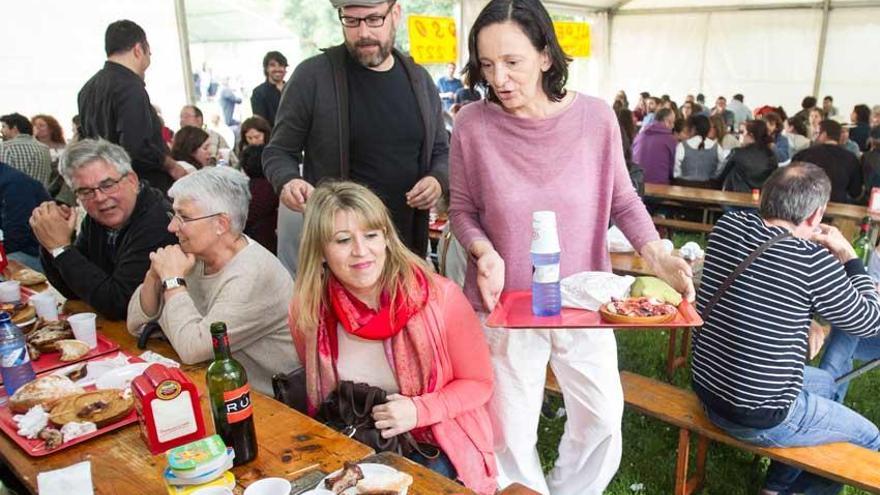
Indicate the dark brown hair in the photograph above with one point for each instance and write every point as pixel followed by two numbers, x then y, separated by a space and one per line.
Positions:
pixel 186 142
pixel 255 122
pixel 535 22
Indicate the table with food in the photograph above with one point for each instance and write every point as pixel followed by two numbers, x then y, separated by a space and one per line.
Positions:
pixel 84 410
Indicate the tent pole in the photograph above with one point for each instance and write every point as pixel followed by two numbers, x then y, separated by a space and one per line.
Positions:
pixel 703 55
pixel 183 39
pixel 823 39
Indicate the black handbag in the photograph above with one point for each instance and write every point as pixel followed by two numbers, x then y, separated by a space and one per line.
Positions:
pixel 349 410
pixel 290 388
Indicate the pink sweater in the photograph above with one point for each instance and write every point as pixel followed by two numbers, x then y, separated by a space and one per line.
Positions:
pixel 502 168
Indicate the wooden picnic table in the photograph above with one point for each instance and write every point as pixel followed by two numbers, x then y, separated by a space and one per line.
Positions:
pixel 846 217
pixel 289 442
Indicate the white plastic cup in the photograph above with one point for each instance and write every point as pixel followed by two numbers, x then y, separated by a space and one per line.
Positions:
pixel 545 239
pixel 213 490
pixel 269 486
pixel 46 306
pixel 10 291
pixel 83 326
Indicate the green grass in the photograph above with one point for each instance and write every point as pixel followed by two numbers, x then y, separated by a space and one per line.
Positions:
pixel 649 446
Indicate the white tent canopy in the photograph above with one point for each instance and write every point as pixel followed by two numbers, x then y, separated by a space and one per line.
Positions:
pixel 772 51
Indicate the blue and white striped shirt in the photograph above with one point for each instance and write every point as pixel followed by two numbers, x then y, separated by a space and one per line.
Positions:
pixel 749 356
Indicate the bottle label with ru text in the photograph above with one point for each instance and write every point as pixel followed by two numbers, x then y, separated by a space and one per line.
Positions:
pixel 238 404
pixel 546 274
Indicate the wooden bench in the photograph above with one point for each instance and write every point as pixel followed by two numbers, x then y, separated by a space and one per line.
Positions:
pixel 684 225
pixel 843 462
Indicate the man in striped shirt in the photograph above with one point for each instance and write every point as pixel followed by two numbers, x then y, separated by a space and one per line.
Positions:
pixel 749 358
pixel 21 150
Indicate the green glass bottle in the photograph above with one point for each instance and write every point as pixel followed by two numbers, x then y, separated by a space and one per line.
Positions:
pixel 862 243
pixel 230 396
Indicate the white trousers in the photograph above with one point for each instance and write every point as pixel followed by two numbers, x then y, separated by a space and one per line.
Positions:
pixel 290 224
pixel 585 364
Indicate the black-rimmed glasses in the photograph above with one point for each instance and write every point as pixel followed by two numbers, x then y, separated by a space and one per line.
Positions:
pixel 185 220
pixel 107 186
pixel 372 21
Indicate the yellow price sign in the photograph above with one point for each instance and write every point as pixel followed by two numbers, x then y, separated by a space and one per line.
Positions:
pixel 574 37
pixel 432 40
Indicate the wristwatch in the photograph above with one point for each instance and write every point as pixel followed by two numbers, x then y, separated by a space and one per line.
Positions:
pixel 56 252
pixel 173 283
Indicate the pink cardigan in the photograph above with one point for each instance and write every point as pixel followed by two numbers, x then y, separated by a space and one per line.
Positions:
pixel 456 413
pixel 502 168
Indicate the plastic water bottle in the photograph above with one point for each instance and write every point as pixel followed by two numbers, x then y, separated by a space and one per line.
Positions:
pixel 546 296
pixel 15 363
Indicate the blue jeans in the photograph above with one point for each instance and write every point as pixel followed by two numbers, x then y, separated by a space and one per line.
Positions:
pixel 840 351
pixel 813 419
pixel 440 465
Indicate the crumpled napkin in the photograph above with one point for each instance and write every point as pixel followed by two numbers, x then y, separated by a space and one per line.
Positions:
pixel 691 251
pixel 75 479
pixel 617 242
pixel 590 290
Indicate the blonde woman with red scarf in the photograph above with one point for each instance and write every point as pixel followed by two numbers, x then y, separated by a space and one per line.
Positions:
pixel 366 309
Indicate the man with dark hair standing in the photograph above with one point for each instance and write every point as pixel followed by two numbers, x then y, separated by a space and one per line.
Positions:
pixel 114 105
pixel 842 166
pixel 365 112
pixel 20 150
pixel 267 96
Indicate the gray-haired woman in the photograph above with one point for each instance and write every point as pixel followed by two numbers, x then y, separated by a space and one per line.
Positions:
pixel 216 273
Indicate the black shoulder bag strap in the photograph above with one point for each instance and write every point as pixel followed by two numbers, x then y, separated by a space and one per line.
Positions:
pixel 736 273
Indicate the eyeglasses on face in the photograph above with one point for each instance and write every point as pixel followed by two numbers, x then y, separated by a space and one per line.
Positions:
pixel 372 21
pixel 106 186
pixel 185 220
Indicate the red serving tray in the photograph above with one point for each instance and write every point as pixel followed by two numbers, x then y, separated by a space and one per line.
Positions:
pixel 36 447
pixel 514 310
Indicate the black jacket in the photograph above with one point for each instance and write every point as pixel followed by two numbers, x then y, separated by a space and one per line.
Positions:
pixel 747 168
pixel 313 120
pixel 114 105
pixel 842 167
pixel 105 278
pixel 265 100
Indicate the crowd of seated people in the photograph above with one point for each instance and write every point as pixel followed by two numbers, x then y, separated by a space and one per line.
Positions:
pixel 675 148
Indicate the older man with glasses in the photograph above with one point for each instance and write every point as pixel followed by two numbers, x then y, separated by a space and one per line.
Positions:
pixel 365 112
pixel 126 220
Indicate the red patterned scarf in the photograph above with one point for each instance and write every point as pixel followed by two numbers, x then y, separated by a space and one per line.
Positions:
pixel 412 351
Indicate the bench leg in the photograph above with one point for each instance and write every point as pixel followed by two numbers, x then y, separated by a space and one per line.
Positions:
pixel 684 484
pixel 677 360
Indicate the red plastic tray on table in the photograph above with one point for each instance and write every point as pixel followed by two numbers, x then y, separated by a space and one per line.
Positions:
pixel 36 447
pixel 514 310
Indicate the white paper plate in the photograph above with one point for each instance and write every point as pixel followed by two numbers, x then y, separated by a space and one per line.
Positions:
pixel 369 470
pixel 120 377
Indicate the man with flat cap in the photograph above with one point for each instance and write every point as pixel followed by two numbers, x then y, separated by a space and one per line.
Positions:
pixel 360 111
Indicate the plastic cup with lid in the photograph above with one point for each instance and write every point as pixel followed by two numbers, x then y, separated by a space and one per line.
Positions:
pixel 545 239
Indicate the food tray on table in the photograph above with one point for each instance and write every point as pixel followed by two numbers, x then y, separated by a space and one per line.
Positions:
pixel 36 447
pixel 514 310
pixel 52 360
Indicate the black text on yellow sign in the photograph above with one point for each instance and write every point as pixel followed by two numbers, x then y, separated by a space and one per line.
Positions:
pixel 432 40
pixel 574 38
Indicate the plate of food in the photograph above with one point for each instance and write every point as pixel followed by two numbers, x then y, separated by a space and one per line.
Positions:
pixel 364 479
pixel 51 345
pixel 52 412
pixel 638 310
